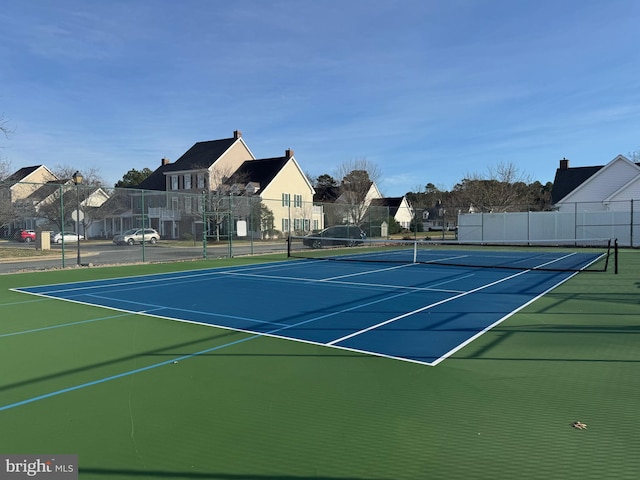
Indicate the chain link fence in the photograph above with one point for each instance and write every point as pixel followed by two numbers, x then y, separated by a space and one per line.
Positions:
pixel 126 225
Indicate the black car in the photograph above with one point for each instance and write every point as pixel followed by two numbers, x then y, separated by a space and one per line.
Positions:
pixel 338 235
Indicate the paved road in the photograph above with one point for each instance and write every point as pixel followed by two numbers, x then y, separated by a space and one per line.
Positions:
pixel 104 253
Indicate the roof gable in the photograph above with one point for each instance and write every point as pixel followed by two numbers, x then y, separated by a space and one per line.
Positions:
pixel 629 191
pixel 567 180
pixel 22 175
pixel 46 190
pixel 387 202
pixel 261 171
pixel 604 182
pixel 201 155
pixel 392 203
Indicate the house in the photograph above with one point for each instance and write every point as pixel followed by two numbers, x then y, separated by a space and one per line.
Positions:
pixel 593 206
pixel 398 208
pixel 202 184
pixel 183 183
pixel 55 204
pixel 21 196
pixel 283 189
pixel 205 166
pixel 352 204
pixel 597 188
pixel 27 180
pixel 39 199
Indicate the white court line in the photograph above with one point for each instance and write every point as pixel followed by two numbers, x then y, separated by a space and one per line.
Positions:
pixel 427 307
pixel 497 322
pixel 422 309
pixel 155 307
pixel 165 277
pixel 330 280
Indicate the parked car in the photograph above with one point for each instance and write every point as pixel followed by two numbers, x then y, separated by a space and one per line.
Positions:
pixel 135 235
pixel 68 237
pixel 27 236
pixel 346 235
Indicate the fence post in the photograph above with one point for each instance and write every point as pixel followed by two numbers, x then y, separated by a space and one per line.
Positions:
pixel 204 225
pixel 142 201
pixel 631 226
pixel 230 225
pixel 62 221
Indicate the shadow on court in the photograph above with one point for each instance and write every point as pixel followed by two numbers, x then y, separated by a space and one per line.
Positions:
pixel 116 361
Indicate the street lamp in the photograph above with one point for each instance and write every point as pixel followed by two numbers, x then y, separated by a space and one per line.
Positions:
pixel 77 180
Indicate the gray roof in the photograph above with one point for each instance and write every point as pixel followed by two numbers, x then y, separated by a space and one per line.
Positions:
pixel 261 171
pixel 199 157
pixel 21 174
pixel 46 190
pixel 568 179
pixel 393 203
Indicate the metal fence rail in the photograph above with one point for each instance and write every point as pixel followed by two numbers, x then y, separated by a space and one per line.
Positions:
pixel 188 225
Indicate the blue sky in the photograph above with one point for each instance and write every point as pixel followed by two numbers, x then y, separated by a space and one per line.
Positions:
pixel 428 90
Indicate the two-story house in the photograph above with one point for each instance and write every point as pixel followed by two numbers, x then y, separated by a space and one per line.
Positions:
pixel 201 185
pixel 283 189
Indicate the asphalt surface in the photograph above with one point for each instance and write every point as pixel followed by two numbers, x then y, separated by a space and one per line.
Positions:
pixel 105 253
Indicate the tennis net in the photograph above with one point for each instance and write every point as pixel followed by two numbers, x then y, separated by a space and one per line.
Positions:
pixel 570 255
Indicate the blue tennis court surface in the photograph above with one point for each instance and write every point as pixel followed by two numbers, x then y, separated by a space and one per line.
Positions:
pixel 413 312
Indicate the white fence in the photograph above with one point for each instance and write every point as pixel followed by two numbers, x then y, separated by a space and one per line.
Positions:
pixel 583 222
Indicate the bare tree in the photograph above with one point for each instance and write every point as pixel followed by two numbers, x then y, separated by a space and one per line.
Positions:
pixel 357 176
pixel 90 175
pixel 503 188
pixel 219 204
pixel 5 165
pixel 5 169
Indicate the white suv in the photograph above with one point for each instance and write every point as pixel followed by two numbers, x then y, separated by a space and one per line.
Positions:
pixel 135 235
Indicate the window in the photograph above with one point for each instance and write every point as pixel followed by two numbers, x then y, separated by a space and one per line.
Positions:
pixel 200 181
pixel 297 223
pixel 285 225
pixel 286 199
pixel 187 204
pixel 316 225
pixel 307 224
pixel 187 182
pixel 174 182
pixel 297 201
pixel 175 203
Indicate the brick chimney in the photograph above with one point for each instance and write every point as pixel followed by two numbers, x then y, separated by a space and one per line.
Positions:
pixel 564 164
pixel 288 153
pixel 164 161
pixel 237 134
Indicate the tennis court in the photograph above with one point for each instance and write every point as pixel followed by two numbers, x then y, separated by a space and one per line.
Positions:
pixel 407 311
pixel 313 368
